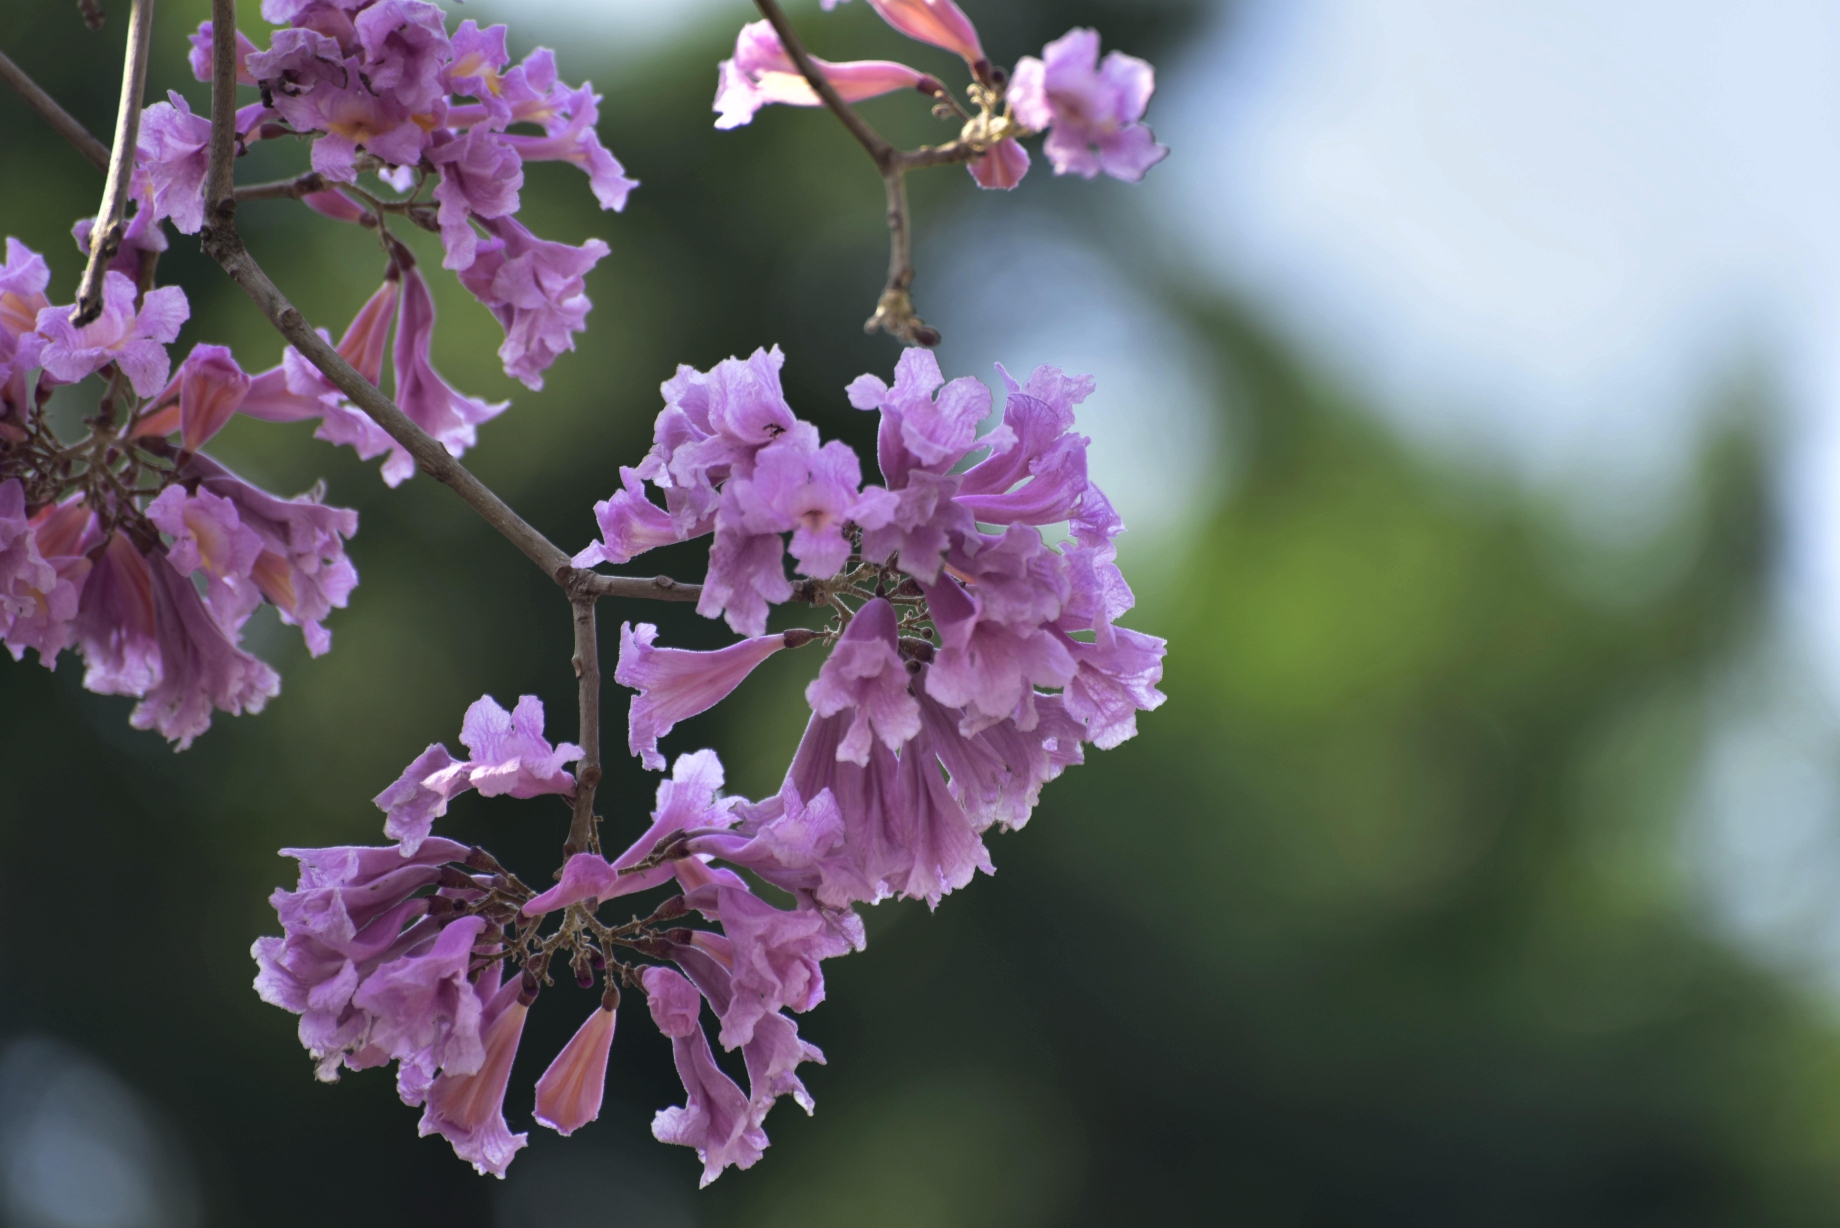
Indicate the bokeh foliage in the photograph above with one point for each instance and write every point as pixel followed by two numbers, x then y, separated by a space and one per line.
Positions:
pixel 1382 918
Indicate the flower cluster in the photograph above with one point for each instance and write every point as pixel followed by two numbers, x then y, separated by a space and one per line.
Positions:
pixel 145 554
pixel 969 663
pixel 1092 112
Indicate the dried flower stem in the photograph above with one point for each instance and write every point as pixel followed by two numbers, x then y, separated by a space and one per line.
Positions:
pixel 588 771
pixel 61 120
pixel 105 237
pixel 894 312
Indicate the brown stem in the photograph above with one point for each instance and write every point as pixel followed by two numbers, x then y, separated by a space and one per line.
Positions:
pixel 894 312
pixel 588 774
pixel 61 120
pixel 105 236
pixel 284 189
pixel 222 243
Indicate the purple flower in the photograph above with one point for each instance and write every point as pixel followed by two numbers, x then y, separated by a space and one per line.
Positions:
pixel 405 45
pixel 568 119
pixel 200 666
pixel 870 860
pixel 479 60
pixel 509 755
pixel 783 839
pixel 761 72
pixel 915 524
pixel 918 430
pixel 865 673
pixel 997 773
pixel 353 118
pixel 1093 110
pixel 23 278
pixel 537 289
pixel 480 176
pixel 1015 578
pixel 133 340
pixel 468 1109
pixel 630 525
pixel 302 568
pixel 207 534
pixel 1048 457
pixel 772 954
pixel 569 1093
pixel 174 150
pixel 115 626
pixel 38 600
pixel 938 833
pixel 1002 166
pixel 423 1013
pixel 675 684
pixel 987 667
pixel 1114 680
pixel 142 237
pixel 211 389
pixel 691 799
pixel 200 55
pixel 715 1117
pixel 297 61
pixel 747 572
pixel 810 490
pixel 451 417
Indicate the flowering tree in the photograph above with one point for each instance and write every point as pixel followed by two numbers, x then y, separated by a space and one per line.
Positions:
pixel 969 658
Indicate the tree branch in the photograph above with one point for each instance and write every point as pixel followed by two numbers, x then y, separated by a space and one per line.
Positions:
pixel 61 120
pixel 588 771
pixel 105 236
pixel 894 311
pixel 222 243
pixel 285 189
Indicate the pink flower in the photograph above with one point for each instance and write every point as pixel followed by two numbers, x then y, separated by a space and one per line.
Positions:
pixel 810 490
pixel 510 756
pixel 1092 112
pixel 761 72
pixel 468 1109
pixel 173 150
pixel 675 684
pixel 630 525
pixel 200 55
pixel 38 598
pixel 480 177
pixel 450 416
pixel 939 22
pixel 569 1093
pixel 715 1117
pixel 924 425
pixel 570 137
pixel 537 290
pixel 211 389
pixel 201 667
pixel 133 340
pixel 405 47
pixel 986 667
pixel 1001 166
pixel 207 534
pixel 865 673
pixel 477 69
pixel 115 625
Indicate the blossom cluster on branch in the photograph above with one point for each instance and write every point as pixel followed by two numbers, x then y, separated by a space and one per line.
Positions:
pixel 970 596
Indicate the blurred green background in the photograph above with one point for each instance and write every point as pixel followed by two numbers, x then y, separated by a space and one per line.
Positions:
pixel 1382 919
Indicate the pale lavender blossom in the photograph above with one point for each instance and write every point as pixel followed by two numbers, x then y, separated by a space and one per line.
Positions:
pixel 405 47
pixel 865 675
pixel 208 535
pixel 920 430
pixel 143 235
pixel 173 151
pixel 783 839
pixel 302 568
pixel 200 667
pixel 1049 459
pixel 297 61
pixel 1092 112
pixel 675 684
pixel 537 290
pixel 200 55
pixel 430 401
pixel 134 340
pixel 870 860
pixel 1113 681
pixel 423 1012
pixel 1015 578
pixel 631 524
pixel 114 627
pixel 914 525
pixel 480 177
pixel 1001 167
pixel 812 491
pixel 211 390
pixel 715 1118
pixel 510 755
pixel 468 1109
pixel 937 832
pixel 986 667
pixel 477 69
pixel 570 137
pixel 23 278
pixel 570 1090
pixel 997 773
pixel 747 572
pixel 43 619
pixel 713 425
pixel 761 73
pixel 30 587
pixel 772 954
pixel 353 119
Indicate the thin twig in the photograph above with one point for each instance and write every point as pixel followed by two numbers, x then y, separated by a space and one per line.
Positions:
pixel 63 121
pixel 588 771
pixel 105 236
pixel 894 311
pixel 222 243
pixel 284 189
